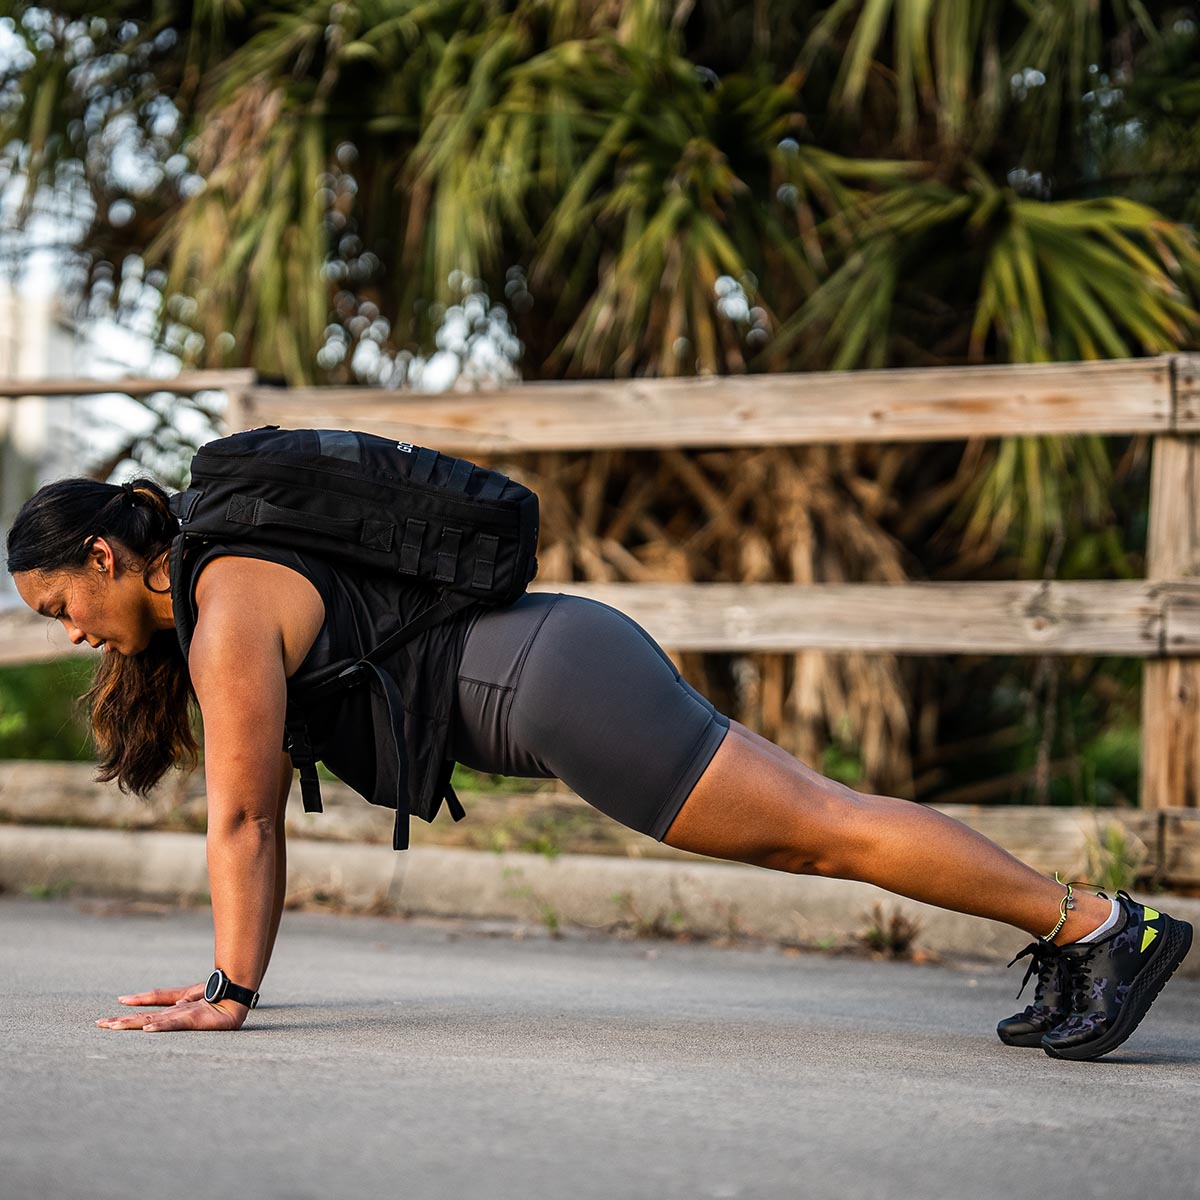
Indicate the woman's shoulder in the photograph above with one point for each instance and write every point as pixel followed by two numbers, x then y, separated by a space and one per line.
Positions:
pixel 296 593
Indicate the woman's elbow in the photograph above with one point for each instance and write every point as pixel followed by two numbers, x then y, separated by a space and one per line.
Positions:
pixel 240 821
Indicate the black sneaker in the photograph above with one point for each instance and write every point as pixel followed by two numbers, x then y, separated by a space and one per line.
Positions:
pixel 1115 980
pixel 1051 997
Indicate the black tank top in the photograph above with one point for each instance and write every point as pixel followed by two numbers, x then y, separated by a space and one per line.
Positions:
pixel 362 608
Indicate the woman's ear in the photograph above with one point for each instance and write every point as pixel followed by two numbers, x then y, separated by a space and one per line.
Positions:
pixel 101 558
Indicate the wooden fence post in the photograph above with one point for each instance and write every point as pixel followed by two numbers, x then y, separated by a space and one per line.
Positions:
pixel 1171 686
pixel 239 411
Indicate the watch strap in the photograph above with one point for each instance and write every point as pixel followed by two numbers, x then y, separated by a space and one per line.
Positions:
pixel 241 995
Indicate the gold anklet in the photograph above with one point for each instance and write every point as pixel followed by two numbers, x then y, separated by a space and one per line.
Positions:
pixel 1065 905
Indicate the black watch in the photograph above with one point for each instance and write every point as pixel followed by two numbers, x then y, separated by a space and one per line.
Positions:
pixel 219 987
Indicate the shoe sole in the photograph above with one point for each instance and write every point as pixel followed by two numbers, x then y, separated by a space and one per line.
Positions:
pixel 1021 1039
pixel 1176 942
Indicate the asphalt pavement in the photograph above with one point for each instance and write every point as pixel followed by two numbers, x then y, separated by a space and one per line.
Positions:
pixel 422 1058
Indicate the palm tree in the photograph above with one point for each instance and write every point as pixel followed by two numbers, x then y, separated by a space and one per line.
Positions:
pixel 654 188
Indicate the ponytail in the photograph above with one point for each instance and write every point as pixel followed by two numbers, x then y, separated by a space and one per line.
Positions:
pixel 140 705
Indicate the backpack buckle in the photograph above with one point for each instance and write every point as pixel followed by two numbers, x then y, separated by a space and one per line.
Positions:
pixel 299 749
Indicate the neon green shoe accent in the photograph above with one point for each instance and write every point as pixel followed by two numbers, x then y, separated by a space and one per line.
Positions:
pixel 1152 914
pixel 1149 933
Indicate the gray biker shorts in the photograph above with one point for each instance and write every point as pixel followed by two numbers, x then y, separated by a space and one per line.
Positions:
pixel 565 687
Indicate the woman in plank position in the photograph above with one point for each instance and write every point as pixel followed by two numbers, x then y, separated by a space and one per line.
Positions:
pixel 551 685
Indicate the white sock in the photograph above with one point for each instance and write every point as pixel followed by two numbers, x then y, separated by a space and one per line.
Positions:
pixel 1099 932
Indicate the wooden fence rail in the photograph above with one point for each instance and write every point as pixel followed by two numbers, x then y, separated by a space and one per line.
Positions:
pixel 1148 395
pixel 1124 617
pixel 1157 618
pixel 188 383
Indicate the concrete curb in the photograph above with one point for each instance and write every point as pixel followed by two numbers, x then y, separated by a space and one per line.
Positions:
pixel 598 892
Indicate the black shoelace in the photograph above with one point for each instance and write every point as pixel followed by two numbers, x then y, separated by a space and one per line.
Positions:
pixel 1081 978
pixel 1047 962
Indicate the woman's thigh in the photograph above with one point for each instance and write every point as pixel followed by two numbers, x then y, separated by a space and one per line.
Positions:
pixel 559 685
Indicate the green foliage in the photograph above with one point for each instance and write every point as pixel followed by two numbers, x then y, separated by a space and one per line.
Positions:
pixel 652 189
pixel 547 913
pixel 465 779
pixel 40 716
pixel 841 759
pixel 661 189
pixel 546 832
pixel 1111 761
pixel 552 919
pixel 1114 859
pixel 58 890
pixel 889 933
pixel 660 923
pixel 1056 731
pixel 888 180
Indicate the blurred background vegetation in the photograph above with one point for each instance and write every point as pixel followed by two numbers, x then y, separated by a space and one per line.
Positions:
pixel 335 191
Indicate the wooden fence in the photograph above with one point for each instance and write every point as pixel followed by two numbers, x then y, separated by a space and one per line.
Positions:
pixel 1157 618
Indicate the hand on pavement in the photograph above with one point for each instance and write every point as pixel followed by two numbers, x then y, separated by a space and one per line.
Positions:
pixel 188 1010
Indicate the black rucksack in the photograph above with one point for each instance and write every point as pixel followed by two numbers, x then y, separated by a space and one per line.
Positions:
pixel 373 504
pixel 369 502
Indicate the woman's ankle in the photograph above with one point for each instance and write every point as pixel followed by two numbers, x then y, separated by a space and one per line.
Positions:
pixel 1087 915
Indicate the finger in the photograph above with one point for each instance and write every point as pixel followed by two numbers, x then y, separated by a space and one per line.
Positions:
pixel 126 1021
pixel 121 1022
pixel 156 996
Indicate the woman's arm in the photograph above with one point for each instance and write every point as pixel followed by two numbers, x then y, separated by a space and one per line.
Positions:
pixel 237 669
pixel 286 774
pixel 239 657
pixel 236 663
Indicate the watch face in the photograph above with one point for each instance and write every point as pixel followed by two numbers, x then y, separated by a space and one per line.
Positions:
pixel 214 989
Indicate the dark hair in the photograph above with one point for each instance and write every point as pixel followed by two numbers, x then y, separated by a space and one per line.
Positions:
pixel 140 704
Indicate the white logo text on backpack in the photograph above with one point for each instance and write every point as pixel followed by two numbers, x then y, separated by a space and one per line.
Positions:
pixel 407 447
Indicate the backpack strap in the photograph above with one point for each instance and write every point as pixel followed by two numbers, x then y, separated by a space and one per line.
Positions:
pixel 387 719
pixel 445 792
pixel 459 474
pixel 486 548
pixel 446 605
pixel 185 627
pixel 493 485
pixel 447 556
pixel 422 468
pixel 298 745
pixel 254 510
pixel 410 549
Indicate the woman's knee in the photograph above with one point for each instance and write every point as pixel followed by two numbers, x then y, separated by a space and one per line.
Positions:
pixel 761 806
pixel 830 838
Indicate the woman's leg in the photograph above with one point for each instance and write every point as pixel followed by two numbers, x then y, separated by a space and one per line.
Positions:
pixel 755 803
pixel 559 685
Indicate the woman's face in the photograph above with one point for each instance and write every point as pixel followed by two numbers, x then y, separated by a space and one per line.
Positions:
pixel 104 602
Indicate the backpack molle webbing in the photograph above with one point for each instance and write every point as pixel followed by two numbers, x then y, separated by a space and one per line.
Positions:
pixel 368 502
